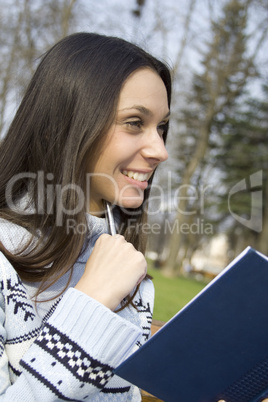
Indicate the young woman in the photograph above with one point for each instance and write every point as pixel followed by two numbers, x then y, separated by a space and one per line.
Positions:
pixel 76 301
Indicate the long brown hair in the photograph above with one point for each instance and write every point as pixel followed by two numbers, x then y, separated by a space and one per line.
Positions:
pixel 61 122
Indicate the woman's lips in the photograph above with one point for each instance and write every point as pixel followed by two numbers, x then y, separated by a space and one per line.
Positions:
pixel 139 176
pixel 137 179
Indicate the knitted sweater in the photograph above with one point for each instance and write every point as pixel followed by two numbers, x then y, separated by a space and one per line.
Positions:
pixel 65 349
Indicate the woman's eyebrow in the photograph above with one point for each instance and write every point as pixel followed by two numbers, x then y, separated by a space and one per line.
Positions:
pixel 144 110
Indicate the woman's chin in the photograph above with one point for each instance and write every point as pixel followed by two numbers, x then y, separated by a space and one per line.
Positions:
pixel 131 203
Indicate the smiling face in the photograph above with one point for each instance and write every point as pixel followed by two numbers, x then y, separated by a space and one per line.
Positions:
pixel 134 144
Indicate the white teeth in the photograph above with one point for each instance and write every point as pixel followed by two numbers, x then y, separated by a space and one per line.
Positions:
pixel 136 176
pixel 141 177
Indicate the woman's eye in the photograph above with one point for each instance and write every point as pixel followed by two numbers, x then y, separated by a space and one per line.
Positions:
pixel 135 124
pixel 162 128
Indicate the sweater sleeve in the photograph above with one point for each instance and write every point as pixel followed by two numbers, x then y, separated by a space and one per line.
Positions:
pixel 73 356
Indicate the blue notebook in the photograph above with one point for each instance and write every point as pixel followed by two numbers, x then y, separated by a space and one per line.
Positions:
pixel 216 347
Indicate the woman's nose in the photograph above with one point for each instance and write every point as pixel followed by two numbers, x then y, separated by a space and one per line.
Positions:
pixel 155 148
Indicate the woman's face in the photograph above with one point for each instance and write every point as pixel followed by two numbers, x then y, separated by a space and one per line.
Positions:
pixel 134 146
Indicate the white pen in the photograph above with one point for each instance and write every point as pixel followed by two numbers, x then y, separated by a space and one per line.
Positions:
pixel 110 219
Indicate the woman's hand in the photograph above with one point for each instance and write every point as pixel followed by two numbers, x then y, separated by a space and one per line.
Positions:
pixel 114 268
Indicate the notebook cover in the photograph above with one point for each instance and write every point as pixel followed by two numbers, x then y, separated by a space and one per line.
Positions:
pixel 216 347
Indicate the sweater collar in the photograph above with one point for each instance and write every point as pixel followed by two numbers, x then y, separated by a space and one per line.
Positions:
pixel 96 225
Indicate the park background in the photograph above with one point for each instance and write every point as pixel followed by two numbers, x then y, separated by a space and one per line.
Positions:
pixel 210 199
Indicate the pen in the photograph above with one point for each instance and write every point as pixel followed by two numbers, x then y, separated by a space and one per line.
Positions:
pixel 110 219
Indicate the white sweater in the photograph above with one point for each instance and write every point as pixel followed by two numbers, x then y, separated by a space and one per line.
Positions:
pixel 67 348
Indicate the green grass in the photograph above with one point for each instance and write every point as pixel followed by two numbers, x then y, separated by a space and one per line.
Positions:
pixel 171 294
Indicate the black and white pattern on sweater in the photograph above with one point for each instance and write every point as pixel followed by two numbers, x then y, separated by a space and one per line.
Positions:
pixel 24 338
pixel 16 372
pixel 115 390
pixel 145 316
pixel 74 358
pixel 1 346
pixel 51 310
pixel 15 294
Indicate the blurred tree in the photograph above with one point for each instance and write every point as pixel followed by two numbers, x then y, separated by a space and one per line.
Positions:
pixel 243 156
pixel 27 29
pixel 227 66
